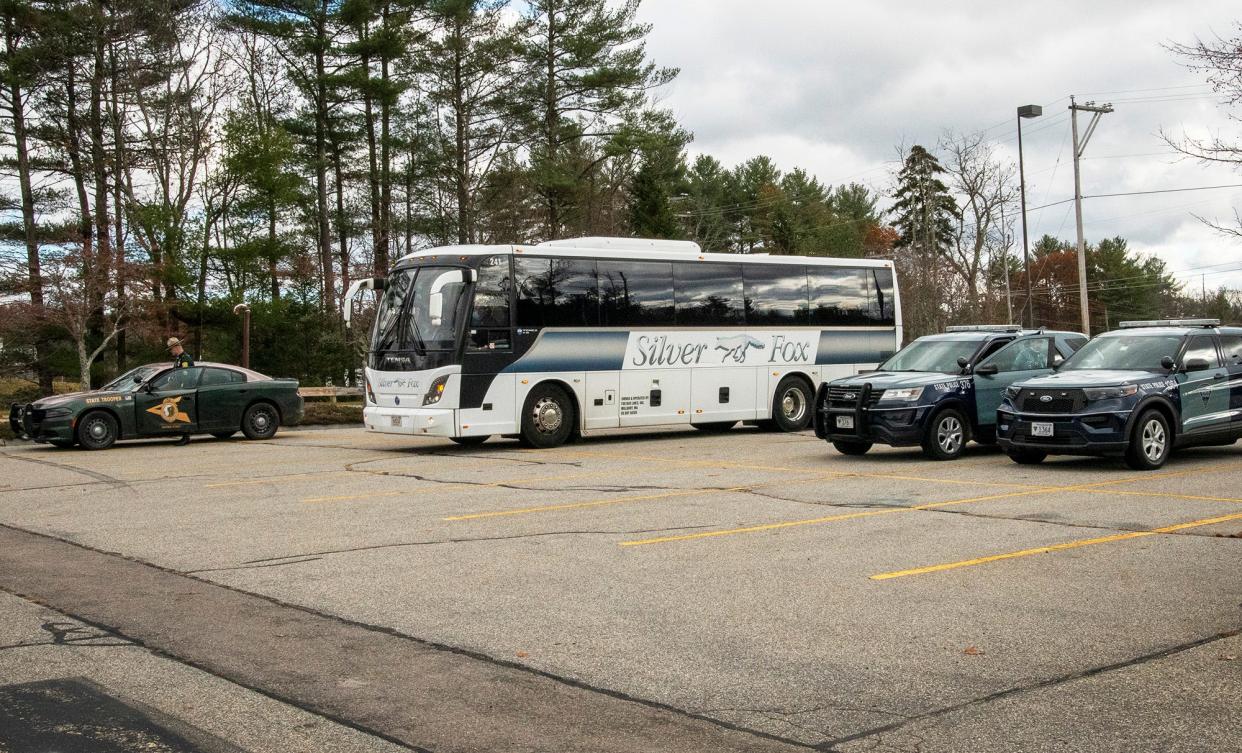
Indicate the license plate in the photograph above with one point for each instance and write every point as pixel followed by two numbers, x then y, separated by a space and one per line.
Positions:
pixel 845 422
pixel 396 420
pixel 1041 429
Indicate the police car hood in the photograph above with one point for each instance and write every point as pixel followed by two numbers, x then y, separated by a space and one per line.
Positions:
pixel 1088 378
pixel 888 380
pixel 57 401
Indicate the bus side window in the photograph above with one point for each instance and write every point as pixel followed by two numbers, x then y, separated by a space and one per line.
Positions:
pixel 708 295
pixel 883 308
pixel 534 290
pixel 839 295
pixel 635 293
pixel 776 294
pixel 490 320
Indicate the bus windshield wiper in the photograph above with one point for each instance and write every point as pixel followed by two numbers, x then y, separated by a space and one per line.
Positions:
pixel 420 345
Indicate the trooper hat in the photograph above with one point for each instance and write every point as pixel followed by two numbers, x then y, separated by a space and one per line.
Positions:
pixel 174 342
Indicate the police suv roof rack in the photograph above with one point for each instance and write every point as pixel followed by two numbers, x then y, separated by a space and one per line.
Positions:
pixel 1170 323
pixel 984 328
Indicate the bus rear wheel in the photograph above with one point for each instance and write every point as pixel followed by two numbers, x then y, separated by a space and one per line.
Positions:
pixel 548 417
pixel 791 405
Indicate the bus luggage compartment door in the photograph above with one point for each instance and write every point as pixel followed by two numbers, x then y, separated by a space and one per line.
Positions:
pixel 723 394
pixel 671 389
pixel 601 406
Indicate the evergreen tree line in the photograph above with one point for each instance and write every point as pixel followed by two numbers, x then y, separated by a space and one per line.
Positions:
pixel 169 159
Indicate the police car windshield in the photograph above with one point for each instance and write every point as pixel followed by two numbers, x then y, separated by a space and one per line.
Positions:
pixel 1125 353
pixel 931 355
pixel 131 380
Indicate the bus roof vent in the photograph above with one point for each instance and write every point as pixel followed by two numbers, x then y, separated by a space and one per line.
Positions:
pixel 626 244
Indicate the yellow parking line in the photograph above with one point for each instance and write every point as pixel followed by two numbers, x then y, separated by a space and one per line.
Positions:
pixel 1169 495
pixel 1056 547
pixel 893 510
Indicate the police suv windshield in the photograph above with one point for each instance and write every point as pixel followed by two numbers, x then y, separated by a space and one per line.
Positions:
pixel 931 355
pixel 1125 353
pixel 132 379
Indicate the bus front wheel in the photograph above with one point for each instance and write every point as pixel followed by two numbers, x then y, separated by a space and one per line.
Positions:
pixel 548 417
pixel 791 405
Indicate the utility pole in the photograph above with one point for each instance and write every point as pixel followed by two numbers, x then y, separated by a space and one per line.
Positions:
pixel 1096 111
pixel 1005 257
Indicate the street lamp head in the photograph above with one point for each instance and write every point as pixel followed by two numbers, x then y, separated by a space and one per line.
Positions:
pixel 1030 111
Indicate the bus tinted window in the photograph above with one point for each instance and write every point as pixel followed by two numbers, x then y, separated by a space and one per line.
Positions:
pixel 840 295
pixel 635 293
pixel 491 294
pixel 708 295
pixel 556 292
pixel 575 297
pixel 534 290
pixel 884 305
pixel 776 294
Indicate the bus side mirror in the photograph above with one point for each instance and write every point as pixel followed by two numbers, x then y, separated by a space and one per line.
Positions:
pixel 1167 362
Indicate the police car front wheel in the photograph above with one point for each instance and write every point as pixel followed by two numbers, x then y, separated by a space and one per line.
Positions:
pixel 1150 442
pixel 946 435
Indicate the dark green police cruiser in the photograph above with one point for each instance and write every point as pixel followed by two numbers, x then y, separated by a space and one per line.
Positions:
pixel 938 392
pixel 158 400
pixel 1138 391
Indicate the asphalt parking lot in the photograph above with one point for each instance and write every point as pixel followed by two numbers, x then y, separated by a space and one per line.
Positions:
pixel 635 591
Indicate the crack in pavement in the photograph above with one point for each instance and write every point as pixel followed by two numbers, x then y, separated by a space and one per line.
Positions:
pixel 935 714
pixel 100 477
pixel 434 542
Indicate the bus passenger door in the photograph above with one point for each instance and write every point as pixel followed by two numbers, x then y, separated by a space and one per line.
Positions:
pixel 649 397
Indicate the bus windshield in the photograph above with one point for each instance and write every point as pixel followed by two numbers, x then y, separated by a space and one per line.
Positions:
pixel 931 355
pixel 420 312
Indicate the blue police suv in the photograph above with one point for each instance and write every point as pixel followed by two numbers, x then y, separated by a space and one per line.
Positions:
pixel 938 392
pixel 1138 391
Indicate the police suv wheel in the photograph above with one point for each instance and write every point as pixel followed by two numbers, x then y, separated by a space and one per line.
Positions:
pixel 947 435
pixel 260 421
pixel 792 405
pixel 1150 442
pixel 97 431
pixel 851 448
pixel 548 417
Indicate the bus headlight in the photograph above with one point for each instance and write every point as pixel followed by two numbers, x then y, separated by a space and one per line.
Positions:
pixel 1107 393
pixel 904 395
pixel 435 391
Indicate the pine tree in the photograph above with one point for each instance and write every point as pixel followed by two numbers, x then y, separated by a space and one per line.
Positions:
pixel 923 214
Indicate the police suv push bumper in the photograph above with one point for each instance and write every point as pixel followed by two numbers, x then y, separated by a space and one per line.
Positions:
pixel 853 413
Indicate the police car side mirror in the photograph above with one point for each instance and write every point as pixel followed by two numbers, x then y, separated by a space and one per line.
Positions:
pixel 1167 362
pixel 1196 364
pixel 963 361
pixel 987 369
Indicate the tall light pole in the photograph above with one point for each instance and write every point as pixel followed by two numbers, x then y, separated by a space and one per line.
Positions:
pixel 1096 112
pixel 244 310
pixel 1026 111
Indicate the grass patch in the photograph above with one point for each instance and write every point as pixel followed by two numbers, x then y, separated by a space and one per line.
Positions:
pixel 322 413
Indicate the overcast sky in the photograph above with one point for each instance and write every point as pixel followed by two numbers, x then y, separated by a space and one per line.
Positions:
pixel 834 87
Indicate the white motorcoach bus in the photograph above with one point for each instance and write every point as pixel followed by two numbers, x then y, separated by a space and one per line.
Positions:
pixel 568 337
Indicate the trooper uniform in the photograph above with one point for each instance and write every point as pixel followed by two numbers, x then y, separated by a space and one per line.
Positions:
pixel 181 360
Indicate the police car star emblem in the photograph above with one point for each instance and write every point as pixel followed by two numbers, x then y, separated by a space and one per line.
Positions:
pixel 170 411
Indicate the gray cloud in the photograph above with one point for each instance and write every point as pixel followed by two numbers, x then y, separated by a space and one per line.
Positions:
pixel 834 88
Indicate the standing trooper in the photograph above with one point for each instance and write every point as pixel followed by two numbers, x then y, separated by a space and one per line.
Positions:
pixel 181 360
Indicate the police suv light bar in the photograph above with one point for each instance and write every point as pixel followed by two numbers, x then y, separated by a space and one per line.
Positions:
pixel 1171 323
pixel 983 328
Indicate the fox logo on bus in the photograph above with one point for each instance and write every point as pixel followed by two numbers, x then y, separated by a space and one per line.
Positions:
pixel 735 347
